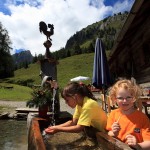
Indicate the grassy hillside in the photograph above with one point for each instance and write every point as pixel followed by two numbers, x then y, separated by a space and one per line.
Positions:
pixel 17 93
pixel 78 65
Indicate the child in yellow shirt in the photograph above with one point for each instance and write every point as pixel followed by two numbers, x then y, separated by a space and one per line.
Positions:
pixel 87 110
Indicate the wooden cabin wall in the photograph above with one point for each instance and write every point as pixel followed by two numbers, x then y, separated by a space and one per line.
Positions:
pixel 131 56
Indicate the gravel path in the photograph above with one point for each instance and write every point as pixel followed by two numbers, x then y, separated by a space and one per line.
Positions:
pixel 65 107
pixel 14 104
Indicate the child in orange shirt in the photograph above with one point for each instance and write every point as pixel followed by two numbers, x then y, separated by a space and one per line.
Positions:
pixel 127 123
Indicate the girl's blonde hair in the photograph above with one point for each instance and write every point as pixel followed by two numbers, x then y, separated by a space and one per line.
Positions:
pixel 132 87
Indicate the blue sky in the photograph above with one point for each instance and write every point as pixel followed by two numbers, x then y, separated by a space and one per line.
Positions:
pixel 21 19
pixel 111 2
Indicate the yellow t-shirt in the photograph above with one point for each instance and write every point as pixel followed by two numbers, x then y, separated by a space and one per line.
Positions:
pixel 91 114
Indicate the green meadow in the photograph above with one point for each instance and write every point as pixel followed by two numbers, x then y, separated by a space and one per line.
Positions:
pixel 17 93
pixel 78 65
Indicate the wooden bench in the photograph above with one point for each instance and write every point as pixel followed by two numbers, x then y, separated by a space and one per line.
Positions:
pixel 95 90
pixel 8 87
pixel 36 86
pixel 26 110
pixel 146 105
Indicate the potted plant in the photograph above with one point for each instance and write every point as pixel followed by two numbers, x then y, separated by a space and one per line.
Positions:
pixel 42 99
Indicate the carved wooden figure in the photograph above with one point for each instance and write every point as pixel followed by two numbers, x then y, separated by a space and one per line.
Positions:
pixel 44 28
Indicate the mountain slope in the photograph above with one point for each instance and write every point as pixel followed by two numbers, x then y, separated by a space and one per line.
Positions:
pixel 106 29
pixel 78 65
pixel 22 57
pixel 83 41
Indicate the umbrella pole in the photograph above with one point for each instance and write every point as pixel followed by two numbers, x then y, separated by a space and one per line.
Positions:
pixel 104 107
pixel 105 103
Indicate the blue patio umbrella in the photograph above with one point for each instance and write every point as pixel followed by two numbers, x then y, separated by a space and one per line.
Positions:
pixel 101 74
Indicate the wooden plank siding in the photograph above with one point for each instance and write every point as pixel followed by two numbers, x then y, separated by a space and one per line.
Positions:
pixel 131 52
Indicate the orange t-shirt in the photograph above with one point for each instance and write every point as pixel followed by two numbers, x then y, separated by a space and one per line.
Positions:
pixel 136 123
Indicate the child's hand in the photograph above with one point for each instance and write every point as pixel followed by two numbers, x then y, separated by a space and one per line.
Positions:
pixel 131 140
pixel 49 130
pixel 115 128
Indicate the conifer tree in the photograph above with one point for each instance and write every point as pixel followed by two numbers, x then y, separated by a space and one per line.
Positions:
pixel 6 60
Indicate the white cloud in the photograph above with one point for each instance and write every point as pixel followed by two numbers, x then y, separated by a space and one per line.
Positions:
pixel 122 6
pixel 68 16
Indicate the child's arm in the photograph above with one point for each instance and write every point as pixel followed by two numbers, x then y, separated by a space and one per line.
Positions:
pixel 73 129
pixel 69 126
pixel 145 145
pixel 68 123
pixel 131 141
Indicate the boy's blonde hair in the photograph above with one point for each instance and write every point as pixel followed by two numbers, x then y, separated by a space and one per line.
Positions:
pixel 132 87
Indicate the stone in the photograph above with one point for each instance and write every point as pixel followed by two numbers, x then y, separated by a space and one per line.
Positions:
pixel 11 116
pixel 21 115
pixel 4 115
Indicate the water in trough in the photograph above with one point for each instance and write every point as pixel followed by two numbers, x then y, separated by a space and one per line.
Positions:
pixel 68 141
pixel 13 135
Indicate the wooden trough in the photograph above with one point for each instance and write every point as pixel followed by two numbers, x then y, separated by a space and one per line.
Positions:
pixel 36 141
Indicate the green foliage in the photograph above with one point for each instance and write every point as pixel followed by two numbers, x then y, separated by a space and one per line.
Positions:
pixel 6 61
pixel 76 50
pixel 35 59
pixel 40 97
pixel 27 76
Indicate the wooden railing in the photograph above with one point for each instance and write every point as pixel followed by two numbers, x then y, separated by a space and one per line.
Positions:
pixel 106 142
pixel 143 101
